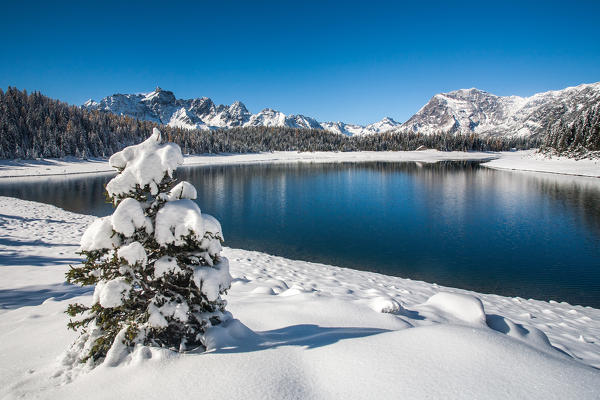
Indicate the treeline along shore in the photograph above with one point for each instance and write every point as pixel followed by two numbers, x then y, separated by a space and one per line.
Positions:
pixel 33 126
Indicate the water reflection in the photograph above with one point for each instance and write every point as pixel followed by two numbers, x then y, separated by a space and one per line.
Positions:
pixel 454 223
pixel 79 193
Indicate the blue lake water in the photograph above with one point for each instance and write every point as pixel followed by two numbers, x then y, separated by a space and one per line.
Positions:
pixel 453 223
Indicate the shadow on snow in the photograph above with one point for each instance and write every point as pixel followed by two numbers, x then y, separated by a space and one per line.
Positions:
pixel 36 295
pixel 304 335
pixel 14 259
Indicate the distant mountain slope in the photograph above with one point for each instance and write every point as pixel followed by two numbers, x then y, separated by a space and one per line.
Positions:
pixel 579 138
pixel 469 111
pixel 384 125
pixel 161 106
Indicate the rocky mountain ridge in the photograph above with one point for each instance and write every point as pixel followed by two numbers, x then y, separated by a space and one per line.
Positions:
pixel 161 106
pixel 464 111
pixel 467 111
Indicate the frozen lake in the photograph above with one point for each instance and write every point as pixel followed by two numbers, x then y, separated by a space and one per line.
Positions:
pixel 453 223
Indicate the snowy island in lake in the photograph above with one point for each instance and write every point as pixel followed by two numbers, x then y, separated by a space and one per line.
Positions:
pixel 299 329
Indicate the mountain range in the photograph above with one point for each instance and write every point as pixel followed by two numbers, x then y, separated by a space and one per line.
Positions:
pixel 463 111
pixel 161 106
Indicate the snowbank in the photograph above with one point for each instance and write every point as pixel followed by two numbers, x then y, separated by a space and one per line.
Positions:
pixel 534 162
pixel 303 330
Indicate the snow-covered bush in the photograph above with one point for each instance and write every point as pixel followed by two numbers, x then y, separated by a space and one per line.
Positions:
pixel 155 261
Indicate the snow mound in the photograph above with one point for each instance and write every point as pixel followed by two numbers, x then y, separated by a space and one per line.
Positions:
pixel 263 290
pixel 143 165
pixel 384 304
pixel 527 334
pixel 458 306
pixel 446 362
pixel 231 333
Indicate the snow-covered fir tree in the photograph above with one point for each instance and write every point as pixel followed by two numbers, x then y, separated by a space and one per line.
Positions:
pixel 155 261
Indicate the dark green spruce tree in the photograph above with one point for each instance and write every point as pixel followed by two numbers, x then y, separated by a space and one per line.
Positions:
pixel 155 262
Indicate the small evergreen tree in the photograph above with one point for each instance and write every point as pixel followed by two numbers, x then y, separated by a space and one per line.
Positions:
pixel 155 261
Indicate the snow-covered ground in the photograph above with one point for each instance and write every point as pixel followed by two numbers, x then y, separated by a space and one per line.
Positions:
pixel 529 160
pixel 18 168
pixel 520 160
pixel 302 331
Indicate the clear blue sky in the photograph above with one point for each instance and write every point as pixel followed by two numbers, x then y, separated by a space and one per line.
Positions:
pixel 332 61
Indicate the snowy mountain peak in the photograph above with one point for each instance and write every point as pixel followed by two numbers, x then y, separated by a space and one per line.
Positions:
pixel 467 92
pixel 89 103
pixel 386 124
pixel 160 96
pixel 202 106
pixel 463 111
pixel 468 111
pixel 238 107
pixel 163 107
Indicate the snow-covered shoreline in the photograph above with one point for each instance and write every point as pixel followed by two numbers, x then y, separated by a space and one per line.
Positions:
pixel 531 161
pixel 318 331
pixel 527 160
pixel 69 166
